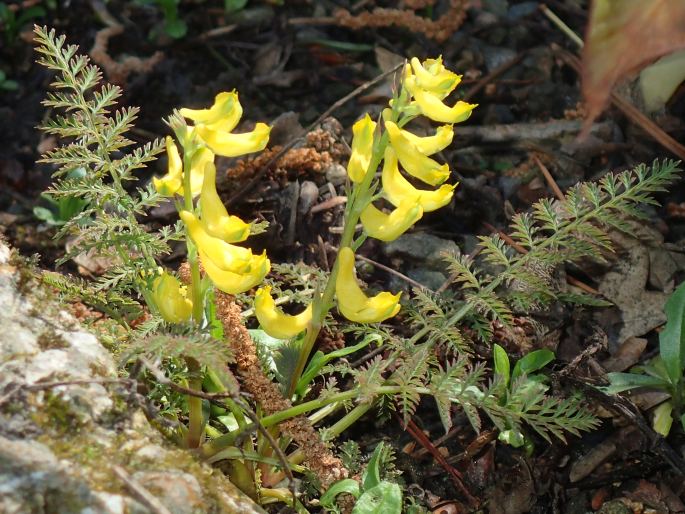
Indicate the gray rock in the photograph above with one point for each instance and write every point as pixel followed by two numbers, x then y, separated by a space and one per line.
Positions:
pixel 336 174
pixel 522 10
pixel 496 56
pixel 422 247
pixel 59 445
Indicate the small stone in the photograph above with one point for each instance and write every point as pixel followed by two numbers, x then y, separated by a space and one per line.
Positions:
pixel 336 174
pixel 522 10
pixel 422 247
pixel 179 492
pixel 309 193
pixel 496 56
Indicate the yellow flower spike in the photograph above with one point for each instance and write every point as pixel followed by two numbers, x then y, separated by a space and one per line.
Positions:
pixel 224 114
pixel 429 145
pixel 215 218
pixel 236 283
pixel 274 321
pixel 432 107
pixel 433 77
pixel 228 144
pixel 171 183
pixel 413 161
pixel 224 256
pixel 388 227
pixel 397 189
pixel 169 299
pixel 353 303
pixel 362 148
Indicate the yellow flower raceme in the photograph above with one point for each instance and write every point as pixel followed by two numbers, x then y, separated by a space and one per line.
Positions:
pixel 236 283
pixel 413 161
pixel 432 76
pixel 170 299
pixel 353 303
pixel 224 256
pixel 224 114
pixel 388 227
pixel 274 321
pixel 362 148
pixel 172 183
pixel 228 144
pixel 215 219
pixel 398 189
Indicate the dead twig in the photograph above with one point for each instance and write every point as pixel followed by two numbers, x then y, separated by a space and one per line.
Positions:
pixel 550 180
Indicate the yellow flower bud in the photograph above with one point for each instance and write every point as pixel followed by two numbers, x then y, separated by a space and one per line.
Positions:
pixel 397 189
pixel 228 144
pixel 224 256
pixel 433 77
pixel 274 321
pixel 413 161
pixel 362 148
pixel 432 107
pixel 171 183
pixel 353 303
pixel 215 218
pixel 235 283
pixel 388 227
pixel 169 299
pixel 224 114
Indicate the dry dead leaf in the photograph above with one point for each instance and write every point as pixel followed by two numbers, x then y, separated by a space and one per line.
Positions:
pixel 623 37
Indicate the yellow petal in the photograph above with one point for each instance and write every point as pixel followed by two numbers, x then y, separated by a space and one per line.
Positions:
pixel 388 227
pixel 224 114
pixel 171 183
pixel 215 218
pixel 198 163
pixel 413 161
pixel 353 303
pixel 432 107
pixel 224 256
pixel 232 145
pixel 274 321
pixel 171 303
pixel 429 145
pixel 432 76
pixel 236 283
pixel 362 148
pixel 397 189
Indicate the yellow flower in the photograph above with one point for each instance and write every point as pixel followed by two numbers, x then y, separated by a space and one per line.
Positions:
pixel 432 107
pixel 413 161
pixel 215 218
pixel 224 256
pixel 170 299
pixel 429 145
pixel 224 114
pixel 274 321
pixel 353 303
pixel 388 227
pixel 172 183
pixel 362 148
pixel 398 189
pixel 432 76
pixel 236 283
pixel 227 144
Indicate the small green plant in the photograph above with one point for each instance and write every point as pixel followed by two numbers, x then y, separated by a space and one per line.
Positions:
pixel 7 84
pixel 173 25
pixel 665 371
pixel 63 208
pixel 373 495
pixel 14 17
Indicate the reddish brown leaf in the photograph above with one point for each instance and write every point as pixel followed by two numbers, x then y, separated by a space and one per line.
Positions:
pixel 623 37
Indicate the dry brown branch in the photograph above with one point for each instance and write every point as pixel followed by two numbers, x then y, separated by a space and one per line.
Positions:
pixel 439 30
pixel 319 459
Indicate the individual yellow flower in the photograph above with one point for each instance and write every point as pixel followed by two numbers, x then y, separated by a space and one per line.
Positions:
pixel 215 219
pixel 432 76
pixel 236 283
pixel 224 114
pixel 274 321
pixel 227 144
pixel 413 161
pixel 428 145
pixel 353 303
pixel 170 299
pixel 172 183
pixel 388 227
pixel 432 107
pixel 224 256
pixel 362 148
pixel 397 189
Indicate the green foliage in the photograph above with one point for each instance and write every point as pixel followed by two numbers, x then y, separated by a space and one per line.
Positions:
pixel 173 25
pixel 664 372
pixel 63 208
pixel 14 18
pixel 7 84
